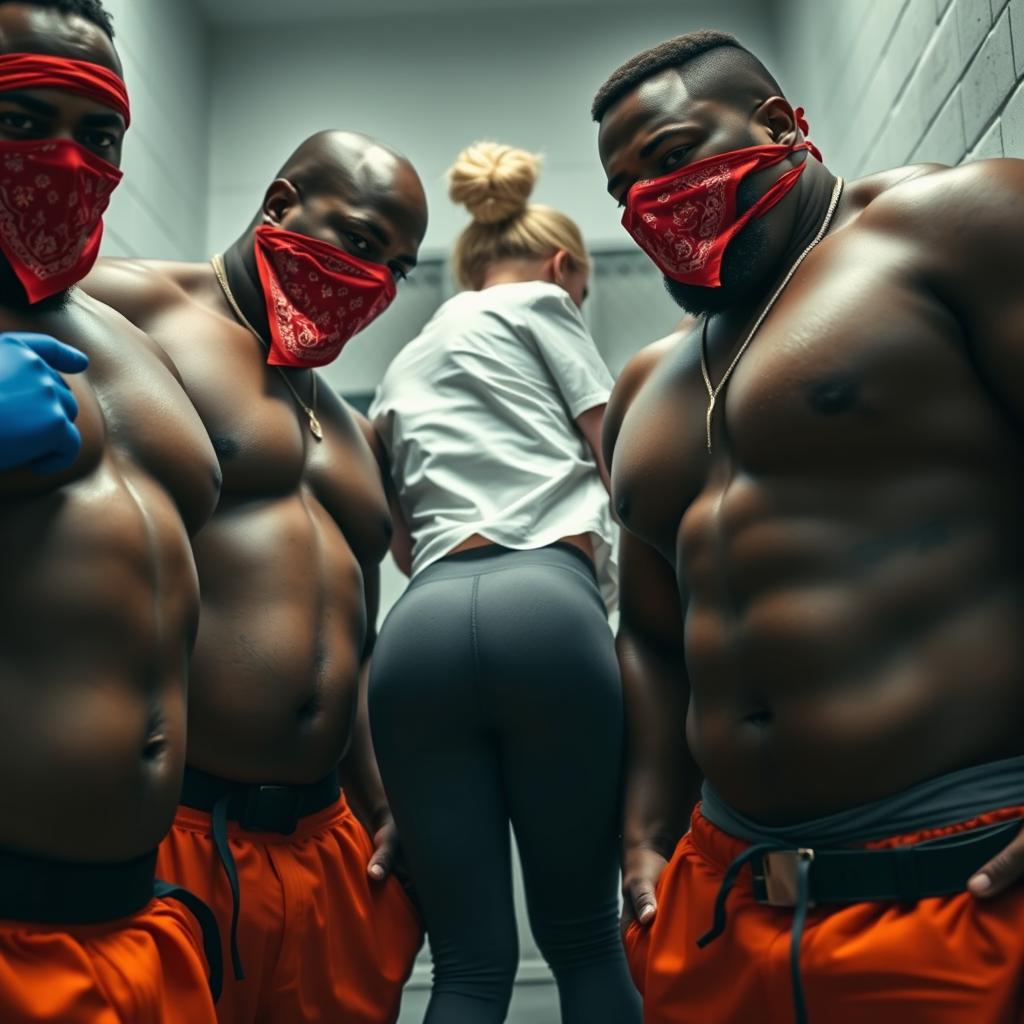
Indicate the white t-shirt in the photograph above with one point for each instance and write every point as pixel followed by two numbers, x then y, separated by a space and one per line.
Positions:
pixel 477 417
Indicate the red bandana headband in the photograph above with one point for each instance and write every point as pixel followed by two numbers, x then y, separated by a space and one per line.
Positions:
pixel 41 71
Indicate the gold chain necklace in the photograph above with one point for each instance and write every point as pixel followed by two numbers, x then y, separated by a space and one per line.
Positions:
pixel 713 393
pixel 219 270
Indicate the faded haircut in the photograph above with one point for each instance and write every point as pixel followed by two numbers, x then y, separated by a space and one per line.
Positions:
pixel 709 63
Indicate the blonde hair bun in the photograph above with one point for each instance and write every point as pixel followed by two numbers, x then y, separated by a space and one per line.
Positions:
pixel 494 182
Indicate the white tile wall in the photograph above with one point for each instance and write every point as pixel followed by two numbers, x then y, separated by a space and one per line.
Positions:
pixel 988 80
pixel 160 210
pixel 890 81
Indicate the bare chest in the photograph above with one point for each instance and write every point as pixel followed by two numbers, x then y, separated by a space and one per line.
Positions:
pixel 258 423
pixel 132 408
pixel 856 373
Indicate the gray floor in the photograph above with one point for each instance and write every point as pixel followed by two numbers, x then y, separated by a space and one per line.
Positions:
pixel 531 1004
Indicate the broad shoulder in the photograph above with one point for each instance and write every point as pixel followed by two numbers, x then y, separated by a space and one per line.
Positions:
pixel 634 376
pixel 963 230
pixel 111 334
pixel 140 289
pixel 943 202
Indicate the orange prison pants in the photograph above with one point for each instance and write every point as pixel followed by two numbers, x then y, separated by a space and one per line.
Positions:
pixel 946 960
pixel 320 943
pixel 145 969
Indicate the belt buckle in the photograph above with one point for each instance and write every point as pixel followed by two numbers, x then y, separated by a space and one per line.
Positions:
pixel 778 883
pixel 271 809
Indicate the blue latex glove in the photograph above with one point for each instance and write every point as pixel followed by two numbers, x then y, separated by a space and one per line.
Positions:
pixel 37 409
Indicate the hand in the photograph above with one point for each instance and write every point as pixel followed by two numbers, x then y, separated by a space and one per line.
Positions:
pixel 641 869
pixel 37 409
pixel 385 854
pixel 1000 872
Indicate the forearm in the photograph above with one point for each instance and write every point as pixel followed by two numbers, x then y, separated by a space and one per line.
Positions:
pixel 662 781
pixel 358 772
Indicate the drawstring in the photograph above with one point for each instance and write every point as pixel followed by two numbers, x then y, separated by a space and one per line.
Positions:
pixel 227 860
pixel 207 924
pixel 803 898
pixel 731 875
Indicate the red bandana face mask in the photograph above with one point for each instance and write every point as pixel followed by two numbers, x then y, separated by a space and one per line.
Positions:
pixel 53 193
pixel 685 220
pixel 317 296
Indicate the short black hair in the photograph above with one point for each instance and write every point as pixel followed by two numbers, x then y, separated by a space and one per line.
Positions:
pixel 727 61
pixel 91 10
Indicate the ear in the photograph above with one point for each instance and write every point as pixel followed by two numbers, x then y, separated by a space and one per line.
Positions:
pixel 281 198
pixel 776 118
pixel 561 264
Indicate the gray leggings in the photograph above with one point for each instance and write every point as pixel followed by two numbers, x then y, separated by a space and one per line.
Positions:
pixel 495 697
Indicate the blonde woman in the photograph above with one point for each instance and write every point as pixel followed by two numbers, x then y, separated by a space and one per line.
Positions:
pixel 495 694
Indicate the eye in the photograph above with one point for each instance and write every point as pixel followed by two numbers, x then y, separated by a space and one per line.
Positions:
pixel 360 244
pixel 18 122
pixel 675 158
pixel 99 140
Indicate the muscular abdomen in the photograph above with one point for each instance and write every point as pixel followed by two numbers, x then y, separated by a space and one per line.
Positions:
pixel 847 638
pixel 275 672
pixel 101 598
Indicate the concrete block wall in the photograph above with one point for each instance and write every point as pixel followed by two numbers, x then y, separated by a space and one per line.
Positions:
pixel 888 82
pixel 160 209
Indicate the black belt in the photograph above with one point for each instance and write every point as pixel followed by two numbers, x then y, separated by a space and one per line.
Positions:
pixel 257 808
pixel 41 891
pixel 801 878
pixel 56 892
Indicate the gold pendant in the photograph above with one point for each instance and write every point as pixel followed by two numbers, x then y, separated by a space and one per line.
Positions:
pixel 314 427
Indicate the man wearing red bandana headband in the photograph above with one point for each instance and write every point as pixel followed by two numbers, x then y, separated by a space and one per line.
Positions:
pixel 316 926
pixel 100 595
pixel 823 575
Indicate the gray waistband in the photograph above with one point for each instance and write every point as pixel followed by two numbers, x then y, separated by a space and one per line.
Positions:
pixel 480 561
pixel 958 796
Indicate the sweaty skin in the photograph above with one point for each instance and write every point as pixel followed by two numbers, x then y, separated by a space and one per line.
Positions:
pixel 848 557
pixel 289 563
pixel 100 594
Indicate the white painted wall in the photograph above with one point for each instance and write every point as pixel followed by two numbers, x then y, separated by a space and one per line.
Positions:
pixel 891 81
pixel 431 83
pixel 160 208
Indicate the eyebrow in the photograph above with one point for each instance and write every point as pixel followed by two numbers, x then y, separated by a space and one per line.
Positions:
pixel 656 140
pixel 30 103
pixel 383 238
pixel 37 106
pixel 649 147
pixel 110 120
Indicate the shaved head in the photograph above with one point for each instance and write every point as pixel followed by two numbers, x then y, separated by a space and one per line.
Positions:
pixel 353 166
pixel 352 192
